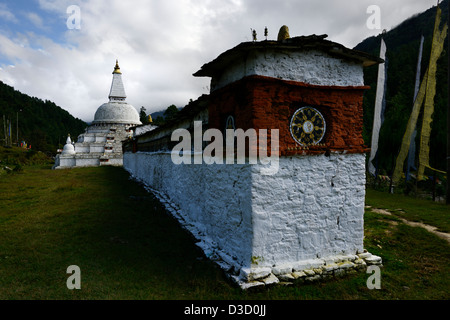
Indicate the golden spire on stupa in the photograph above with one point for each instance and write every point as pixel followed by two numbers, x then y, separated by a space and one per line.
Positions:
pixel 117 68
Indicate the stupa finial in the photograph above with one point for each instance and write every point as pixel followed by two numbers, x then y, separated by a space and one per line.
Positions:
pixel 117 68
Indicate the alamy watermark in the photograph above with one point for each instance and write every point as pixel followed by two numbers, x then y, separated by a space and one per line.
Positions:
pixel 74 17
pixel 74 281
pixel 374 280
pixel 190 149
pixel 374 20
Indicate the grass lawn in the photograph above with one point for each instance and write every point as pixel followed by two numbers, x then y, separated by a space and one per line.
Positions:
pixel 128 247
pixel 422 210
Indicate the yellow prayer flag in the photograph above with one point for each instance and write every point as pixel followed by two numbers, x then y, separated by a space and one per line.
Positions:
pixel 409 130
pixel 426 92
pixel 436 50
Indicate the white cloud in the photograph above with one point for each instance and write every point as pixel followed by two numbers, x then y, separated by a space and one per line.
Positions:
pixel 36 20
pixel 6 14
pixel 160 44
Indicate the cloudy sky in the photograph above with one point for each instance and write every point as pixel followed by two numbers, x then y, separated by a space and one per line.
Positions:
pixel 54 53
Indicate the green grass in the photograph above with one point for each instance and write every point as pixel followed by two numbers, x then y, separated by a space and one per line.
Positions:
pixel 128 247
pixel 15 156
pixel 414 209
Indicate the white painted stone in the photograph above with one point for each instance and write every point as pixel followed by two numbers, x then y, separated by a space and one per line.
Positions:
pixel 351 257
pixel 309 272
pixel 251 274
pixel 318 271
pixel 271 279
pixel 298 274
pixel 277 270
pixel 330 260
pixel 330 267
pixel 252 284
pixel 373 259
pixel 286 277
pixel 307 264
pixel 360 263
pixel 346 265
pixel 308 66
pixel 364 255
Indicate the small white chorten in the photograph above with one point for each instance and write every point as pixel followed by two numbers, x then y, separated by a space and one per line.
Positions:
pixel 68 147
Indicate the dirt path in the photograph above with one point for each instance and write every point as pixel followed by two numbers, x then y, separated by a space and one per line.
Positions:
pixel 443 235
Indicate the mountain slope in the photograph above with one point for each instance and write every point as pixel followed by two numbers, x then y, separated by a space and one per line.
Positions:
pixel 42 124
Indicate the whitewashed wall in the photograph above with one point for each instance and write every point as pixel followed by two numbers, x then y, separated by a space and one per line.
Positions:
pixel 309 66
pixel 214 198
pixel 65 161
pixel 87 161
pixel 311 209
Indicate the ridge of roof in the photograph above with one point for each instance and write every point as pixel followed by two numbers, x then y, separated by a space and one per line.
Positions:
pixel 301 42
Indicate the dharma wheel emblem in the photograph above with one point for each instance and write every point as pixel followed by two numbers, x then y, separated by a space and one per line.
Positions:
pixel 307 126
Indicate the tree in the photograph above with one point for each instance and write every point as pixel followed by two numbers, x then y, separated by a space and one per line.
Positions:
pixel 159 121
pixel 143 116
pixel 170 113
pixel 40 123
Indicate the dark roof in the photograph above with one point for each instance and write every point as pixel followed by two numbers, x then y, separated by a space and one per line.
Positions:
pixel 303 43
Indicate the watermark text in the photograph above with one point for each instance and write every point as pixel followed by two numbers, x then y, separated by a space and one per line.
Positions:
pixel 74 18
pixel 374 20
pixel 74 281
pixel 240 146
pixel 374 280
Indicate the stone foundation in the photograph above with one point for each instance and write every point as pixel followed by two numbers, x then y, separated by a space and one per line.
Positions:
pixel 306 271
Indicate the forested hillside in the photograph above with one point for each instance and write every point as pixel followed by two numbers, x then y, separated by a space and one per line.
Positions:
pixel 42 124
pixel 402 43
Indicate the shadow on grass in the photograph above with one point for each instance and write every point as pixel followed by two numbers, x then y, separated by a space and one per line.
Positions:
pixel 127 246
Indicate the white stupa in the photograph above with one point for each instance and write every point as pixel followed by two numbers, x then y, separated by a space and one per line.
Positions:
pixel 69 148
pixel 101 143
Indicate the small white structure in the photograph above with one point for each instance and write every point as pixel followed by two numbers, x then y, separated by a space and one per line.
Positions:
pixel 68 147
pixel 101 144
